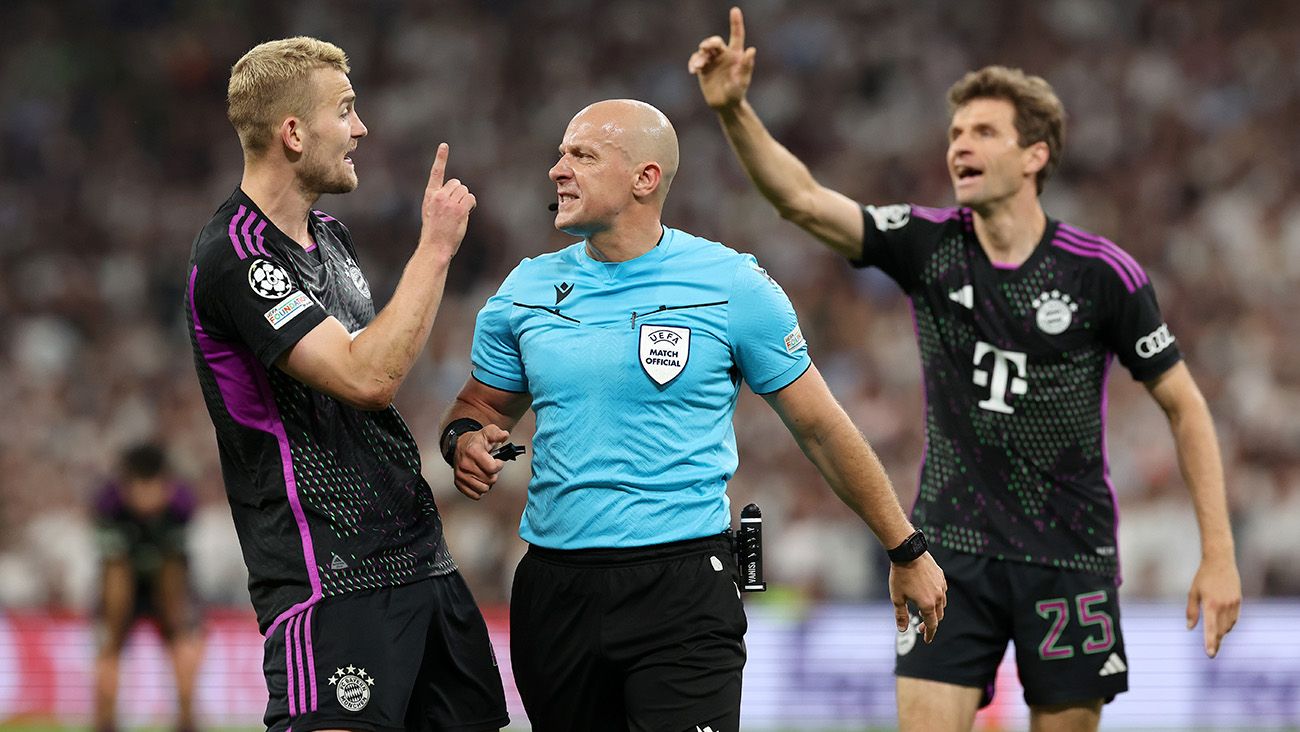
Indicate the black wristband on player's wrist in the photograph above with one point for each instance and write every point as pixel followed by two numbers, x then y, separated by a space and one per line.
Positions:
pixel 911 548
pixel 457 427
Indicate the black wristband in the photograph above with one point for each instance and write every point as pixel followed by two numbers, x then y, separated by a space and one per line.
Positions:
pixel 911 548
pixel 452 433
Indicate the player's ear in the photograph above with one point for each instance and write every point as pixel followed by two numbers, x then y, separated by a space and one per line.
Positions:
pixel 291 135
pixel 1036 157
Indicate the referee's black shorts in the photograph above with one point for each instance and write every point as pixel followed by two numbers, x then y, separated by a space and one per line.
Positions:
pixel 644 639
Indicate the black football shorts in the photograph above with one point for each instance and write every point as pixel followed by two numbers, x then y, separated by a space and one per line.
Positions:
pixel 411 657
pixel 1065 626
pixel 647 639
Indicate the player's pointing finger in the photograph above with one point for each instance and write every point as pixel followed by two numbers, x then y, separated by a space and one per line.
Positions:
pixel 737 29
pixel 439 166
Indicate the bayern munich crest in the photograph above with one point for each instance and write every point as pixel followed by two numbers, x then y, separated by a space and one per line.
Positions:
pixel 352 687
pixel 358 279
pixel 269 279
pixel 1054 312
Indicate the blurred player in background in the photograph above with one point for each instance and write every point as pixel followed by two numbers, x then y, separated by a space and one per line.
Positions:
pixel 368 623
pixel 141 524
pixel 1018 317
pixel 631 346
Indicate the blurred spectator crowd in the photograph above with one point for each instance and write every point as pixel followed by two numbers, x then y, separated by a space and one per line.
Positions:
pixel 115 149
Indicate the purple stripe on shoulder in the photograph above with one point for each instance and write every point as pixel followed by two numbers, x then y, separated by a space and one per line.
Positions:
pixel 1080 236
pixel 1096 254
pixel 311 659
pixel 246 236
pixel 324 216
pixel 234 222
pixel 261 241
pixel 937 215
pixel 288 669
pixel 246 393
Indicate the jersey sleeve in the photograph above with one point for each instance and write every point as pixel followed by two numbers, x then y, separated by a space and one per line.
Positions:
pixel 894 240
pixel 1135 330
pixel 254 301
pixel 766 342
pixel 495 354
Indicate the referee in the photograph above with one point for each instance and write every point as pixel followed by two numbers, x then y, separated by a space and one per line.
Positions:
pixel 630 347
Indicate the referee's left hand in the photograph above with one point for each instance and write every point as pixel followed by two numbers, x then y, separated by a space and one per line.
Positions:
pixel 476 469
pixel 921 581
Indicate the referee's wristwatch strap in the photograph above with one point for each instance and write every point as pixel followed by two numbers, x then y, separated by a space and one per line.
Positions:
pixel 450 435
pixel 911 548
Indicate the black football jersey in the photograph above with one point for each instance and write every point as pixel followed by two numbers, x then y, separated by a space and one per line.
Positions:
pixel 326 498
pixel 1015 362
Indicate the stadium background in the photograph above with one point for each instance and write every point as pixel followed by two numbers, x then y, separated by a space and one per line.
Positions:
pixel 114 149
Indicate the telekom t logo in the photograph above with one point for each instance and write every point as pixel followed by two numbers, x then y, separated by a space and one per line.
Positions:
pixel 997 401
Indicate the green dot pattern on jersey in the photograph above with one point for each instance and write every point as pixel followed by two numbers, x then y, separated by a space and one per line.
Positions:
pixel 1056 423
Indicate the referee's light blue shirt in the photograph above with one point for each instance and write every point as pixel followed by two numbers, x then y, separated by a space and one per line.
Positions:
pixel 634 368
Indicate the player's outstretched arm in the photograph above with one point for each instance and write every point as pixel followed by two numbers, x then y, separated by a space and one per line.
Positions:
pixel 365 371
pixel 1216 589
pixel 471 459
pixel 724 70
pixel 827 436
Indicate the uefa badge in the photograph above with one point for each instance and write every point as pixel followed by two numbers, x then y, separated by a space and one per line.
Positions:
pixel 663 351
pixel 352 687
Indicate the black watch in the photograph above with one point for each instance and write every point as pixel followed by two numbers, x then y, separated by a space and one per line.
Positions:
pixel 911 548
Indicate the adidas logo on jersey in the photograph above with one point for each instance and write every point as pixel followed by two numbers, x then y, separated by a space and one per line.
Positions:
pixel 1113 665
pixel 964 297
pixel 338 563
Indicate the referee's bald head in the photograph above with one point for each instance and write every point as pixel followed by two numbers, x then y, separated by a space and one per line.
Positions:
pixel 641 131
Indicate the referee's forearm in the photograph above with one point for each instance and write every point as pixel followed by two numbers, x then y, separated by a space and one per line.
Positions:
pixel 855 473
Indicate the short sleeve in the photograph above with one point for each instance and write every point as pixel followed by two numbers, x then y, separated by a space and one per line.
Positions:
pixel 765 338
pixel 495 354
pixel 1135 330
pixel 254 301
pixel 896 239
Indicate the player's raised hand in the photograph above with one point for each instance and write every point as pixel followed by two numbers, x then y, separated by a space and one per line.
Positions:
pixel 724 69
pixel 1216 590
pixel 921 581
pixel 445 211
pixel 476 469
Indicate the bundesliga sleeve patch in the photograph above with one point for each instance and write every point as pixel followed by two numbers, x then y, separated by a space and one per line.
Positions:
pixel 269 279
pixel 794 340
pixel 287 309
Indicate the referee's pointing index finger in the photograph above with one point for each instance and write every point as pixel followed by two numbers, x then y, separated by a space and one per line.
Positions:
pixel 737 30
pixel 439 166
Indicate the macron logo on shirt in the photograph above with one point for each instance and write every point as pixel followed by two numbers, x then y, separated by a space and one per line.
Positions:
pixel 562 291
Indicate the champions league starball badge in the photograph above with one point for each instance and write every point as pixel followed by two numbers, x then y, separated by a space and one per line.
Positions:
pixel 352 687
pixel 269 279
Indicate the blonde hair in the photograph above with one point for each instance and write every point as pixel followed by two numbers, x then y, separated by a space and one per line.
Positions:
pixel 1040 116
pixel 271 82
